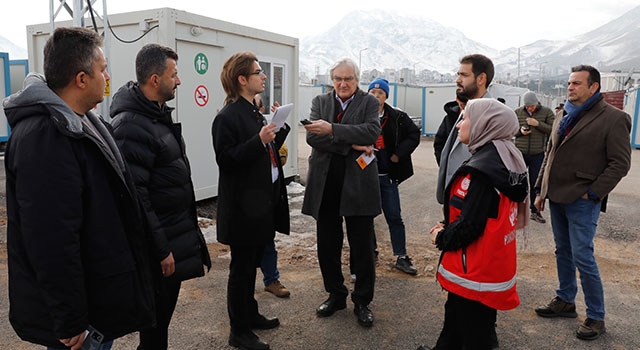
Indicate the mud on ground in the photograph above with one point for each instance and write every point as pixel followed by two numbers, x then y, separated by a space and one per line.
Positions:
pixel 408 310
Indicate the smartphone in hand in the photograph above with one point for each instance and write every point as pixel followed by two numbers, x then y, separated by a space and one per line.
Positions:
pixel 305 122
pixel 92 340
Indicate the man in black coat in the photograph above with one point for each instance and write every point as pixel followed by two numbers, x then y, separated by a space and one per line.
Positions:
pixel 76 244
pixel 155 152
pixel 252 196
pixel 399 138
pixel 453 110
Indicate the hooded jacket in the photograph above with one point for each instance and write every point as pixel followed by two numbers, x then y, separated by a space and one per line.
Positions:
pixel 76 243
pixel 455 153
pixel 536 141
pixel 478 243
pixel 452 108
pixel 153 147
pixel 401 137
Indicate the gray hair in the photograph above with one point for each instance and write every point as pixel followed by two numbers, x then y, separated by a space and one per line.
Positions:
pixel 346 61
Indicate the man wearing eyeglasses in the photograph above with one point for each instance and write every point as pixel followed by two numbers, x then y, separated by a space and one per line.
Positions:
pixel 341 183
pixel 252 198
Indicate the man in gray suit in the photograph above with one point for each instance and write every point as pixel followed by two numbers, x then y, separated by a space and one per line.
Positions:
pixel 588 153
pixel 474 77
pixel 342 184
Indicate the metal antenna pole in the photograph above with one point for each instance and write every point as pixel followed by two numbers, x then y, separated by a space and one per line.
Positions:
pixel 77 13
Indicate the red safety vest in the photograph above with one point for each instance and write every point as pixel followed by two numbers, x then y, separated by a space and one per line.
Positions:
pixel 485 270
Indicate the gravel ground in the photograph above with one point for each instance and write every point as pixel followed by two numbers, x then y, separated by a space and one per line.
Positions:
pixel 408 310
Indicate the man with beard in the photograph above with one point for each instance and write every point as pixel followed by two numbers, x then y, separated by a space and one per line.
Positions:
pixel 474 77
pixel 153 148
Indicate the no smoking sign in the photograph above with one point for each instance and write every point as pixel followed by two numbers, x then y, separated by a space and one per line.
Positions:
pixel 201 95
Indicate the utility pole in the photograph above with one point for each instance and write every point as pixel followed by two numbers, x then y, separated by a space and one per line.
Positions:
pixel 78 13
pixel 518 77
pixel 360 60
pixel 540 76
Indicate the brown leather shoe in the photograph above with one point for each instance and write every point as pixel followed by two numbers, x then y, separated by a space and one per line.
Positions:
pixel 557 308
pixel 590 329
pixel 277 289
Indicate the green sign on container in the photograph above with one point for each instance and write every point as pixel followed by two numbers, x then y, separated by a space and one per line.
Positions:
pixel 201 63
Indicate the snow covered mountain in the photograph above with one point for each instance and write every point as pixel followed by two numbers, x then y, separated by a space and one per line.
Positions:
pixel 613 46
pixel 386 40
pixel 391 41
pixel 397 42
pixel 15 52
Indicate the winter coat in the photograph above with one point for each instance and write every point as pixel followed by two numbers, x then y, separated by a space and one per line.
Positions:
pixel 76 243
pixel 249 209
pixel 155 152
pixel 454 154
pixel 536 141
pixel 359 126
pixel 594 156
pixel 452 109
pixel 401 137
pixel 478 243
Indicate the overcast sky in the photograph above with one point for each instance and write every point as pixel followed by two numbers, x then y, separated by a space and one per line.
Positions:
pixel 497 23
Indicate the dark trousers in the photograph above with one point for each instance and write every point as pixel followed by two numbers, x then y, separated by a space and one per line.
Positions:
pixel 468 325
pixel 241 303
pixel 330 237
pixel 533 162
pixel 166 299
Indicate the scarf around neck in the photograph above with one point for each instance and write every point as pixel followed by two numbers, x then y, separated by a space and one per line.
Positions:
pixel 574 113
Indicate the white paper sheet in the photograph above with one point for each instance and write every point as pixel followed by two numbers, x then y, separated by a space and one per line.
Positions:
pixel 281 114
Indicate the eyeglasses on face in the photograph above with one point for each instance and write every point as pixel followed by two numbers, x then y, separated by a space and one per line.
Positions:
pixel 259 72
pixel 348 79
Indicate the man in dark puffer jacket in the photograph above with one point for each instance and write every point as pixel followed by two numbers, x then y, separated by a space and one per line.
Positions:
pixel 154 149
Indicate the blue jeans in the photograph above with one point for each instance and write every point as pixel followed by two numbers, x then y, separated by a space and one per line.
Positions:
pixel 574 227
pixel 392 213
pixel 533 162
pixel 104 346
pixel 269 264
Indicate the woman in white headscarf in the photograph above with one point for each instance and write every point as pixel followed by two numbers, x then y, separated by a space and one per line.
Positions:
pixel 484 205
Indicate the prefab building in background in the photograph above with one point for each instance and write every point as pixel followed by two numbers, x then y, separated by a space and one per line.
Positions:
pixel 203 44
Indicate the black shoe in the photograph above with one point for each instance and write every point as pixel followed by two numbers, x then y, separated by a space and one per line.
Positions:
pixel 330 306
pixel 262 322
pixel 423 347
pixel 404 264
pixel 248 341
pixel 365 316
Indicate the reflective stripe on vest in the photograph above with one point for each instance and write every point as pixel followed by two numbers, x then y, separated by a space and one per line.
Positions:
pixel 477 286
